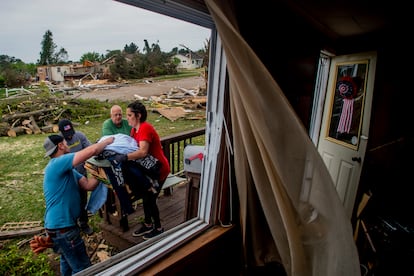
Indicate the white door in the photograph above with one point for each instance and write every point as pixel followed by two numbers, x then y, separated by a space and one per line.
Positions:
pixel 345 122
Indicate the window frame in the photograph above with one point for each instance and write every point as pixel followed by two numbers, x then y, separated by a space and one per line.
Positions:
pixel 140 256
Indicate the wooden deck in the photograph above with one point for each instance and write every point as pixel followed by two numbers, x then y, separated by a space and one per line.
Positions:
pixel 172 213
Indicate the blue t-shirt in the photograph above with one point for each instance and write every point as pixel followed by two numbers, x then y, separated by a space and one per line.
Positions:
pixel 61 192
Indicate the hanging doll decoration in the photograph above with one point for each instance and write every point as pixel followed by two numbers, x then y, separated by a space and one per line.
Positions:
pixel 347 89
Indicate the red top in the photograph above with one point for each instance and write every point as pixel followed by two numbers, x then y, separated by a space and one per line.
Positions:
pixel 147 133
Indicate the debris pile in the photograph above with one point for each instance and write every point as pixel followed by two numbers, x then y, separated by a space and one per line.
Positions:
pixel 179 103
pixel 36 113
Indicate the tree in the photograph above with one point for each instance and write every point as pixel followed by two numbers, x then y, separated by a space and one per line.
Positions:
pixel 111 53
pixel 14 72
pixel 206 52
pixel 91 56
pixel 131 48
pixel 48 47
pixel 61 56
pixel 174 51
pixel 156 62
pixel 120 68
pixel 48 55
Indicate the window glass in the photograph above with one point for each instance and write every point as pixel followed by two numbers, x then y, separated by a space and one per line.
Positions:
pixel 135 258
pixel 347 104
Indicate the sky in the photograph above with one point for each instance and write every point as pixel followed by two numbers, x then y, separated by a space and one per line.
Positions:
pixel 82 26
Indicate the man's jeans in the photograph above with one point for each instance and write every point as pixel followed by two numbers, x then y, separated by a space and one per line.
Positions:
pixel 72 250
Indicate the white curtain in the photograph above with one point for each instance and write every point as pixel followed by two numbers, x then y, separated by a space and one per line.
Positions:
pixel 290 211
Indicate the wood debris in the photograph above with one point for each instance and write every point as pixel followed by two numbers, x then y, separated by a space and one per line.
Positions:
pixel 180 103
pixel 171 113
pixel 36 115
pixel 16 229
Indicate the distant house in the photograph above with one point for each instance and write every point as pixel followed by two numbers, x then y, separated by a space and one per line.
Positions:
pixel 104 68
pixel 79 70
pixel 61 73
pixel 54 73
pixel 189 61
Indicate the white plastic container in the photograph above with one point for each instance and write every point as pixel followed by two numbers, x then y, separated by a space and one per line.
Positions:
pixel 193 158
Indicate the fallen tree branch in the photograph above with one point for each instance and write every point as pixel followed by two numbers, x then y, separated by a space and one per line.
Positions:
pixel 24 115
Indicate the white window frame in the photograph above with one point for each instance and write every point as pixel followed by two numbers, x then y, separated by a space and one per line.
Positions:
pixel 136 258
pixel 319 95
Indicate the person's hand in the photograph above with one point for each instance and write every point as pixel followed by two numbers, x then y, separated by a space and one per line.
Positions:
pixel 120 158
pixel 109 140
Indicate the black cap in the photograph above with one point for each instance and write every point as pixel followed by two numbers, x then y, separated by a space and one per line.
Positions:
pixel 66 128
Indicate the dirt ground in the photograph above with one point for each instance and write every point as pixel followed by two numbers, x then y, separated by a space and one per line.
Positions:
pixel 128 92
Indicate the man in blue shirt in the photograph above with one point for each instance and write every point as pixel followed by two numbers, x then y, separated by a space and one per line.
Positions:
pixel 77 141
pixel 61 191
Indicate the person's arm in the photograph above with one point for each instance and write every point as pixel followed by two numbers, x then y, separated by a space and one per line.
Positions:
pixel 141 152
pixel 88 183
pixel 94 149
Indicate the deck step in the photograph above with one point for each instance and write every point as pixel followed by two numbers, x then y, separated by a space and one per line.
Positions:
pixel 173 180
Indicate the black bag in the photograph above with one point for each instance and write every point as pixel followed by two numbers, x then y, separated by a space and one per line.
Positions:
pixel 150 166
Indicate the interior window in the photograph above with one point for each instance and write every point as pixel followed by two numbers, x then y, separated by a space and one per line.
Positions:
pixel 319 94
pixel 139 256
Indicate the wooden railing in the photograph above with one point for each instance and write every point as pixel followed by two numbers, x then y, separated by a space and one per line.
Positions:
pixel 174 145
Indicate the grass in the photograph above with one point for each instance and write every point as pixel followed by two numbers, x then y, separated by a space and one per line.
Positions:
pixel 16 262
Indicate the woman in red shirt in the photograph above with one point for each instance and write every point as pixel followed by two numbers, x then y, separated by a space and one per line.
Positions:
pixel 148 142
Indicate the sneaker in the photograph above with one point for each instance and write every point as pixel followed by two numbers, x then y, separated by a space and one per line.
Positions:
pixel 143 230
pixel 153 233
pixel 86 229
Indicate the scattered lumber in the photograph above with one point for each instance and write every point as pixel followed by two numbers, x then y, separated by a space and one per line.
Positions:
pixel 16 229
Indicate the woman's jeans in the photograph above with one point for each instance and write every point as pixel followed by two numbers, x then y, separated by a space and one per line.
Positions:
pixel 71 247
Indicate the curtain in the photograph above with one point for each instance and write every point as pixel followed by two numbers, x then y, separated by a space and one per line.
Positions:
pixel 289 209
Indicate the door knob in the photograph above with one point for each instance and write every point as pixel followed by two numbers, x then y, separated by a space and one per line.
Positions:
pixel 358 159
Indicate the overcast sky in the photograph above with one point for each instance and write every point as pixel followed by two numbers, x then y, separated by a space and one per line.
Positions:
pixel 81 26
